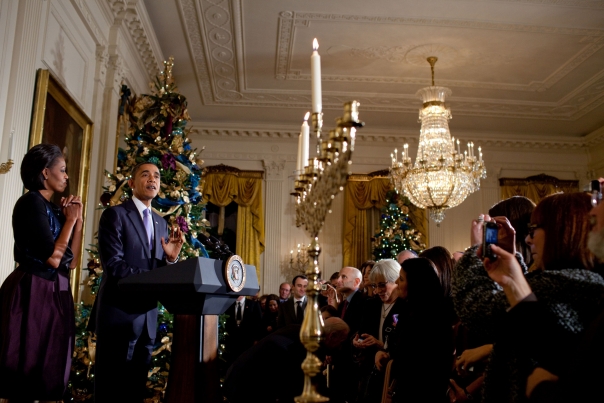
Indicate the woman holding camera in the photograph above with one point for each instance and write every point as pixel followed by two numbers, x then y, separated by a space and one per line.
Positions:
pixel 563 280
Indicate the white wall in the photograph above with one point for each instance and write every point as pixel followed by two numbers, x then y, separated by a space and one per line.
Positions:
pixel 274 149
pixel 91 47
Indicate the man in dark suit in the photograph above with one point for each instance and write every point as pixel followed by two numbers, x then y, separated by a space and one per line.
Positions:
pixel 353 302
pixel 132 240
pixel 270 371
pixel 291 312
pixel 242 327
pixel 346 370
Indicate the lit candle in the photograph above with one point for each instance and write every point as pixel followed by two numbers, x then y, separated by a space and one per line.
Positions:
pixel 395 155
pixel 315 76
pixel 304 130
pixel 406 147
pixel 10 144
pixel 458 149
pixel 480 153
pixel 299 161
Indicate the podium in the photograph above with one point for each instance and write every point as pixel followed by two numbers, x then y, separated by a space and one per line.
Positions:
pixel 195 291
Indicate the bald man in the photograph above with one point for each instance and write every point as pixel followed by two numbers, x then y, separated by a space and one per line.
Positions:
pixel 353 302
pixel 346 374
pixel 404 255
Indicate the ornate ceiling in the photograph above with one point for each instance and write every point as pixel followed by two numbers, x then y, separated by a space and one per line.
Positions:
pixel 516 67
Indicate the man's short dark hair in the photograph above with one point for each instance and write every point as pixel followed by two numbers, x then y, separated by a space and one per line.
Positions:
pixel 302 276
pixel 138 166
pixel 38 158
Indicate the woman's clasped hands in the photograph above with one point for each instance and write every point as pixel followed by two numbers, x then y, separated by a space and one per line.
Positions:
pixel 72 207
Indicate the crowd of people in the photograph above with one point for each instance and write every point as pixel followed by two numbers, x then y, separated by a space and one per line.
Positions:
pixel 524 324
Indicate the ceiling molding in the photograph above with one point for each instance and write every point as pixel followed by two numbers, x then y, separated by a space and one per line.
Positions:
pixel 216 48
pixel 140 30
pixel 417 53
pixel 556 3
pixel 208 130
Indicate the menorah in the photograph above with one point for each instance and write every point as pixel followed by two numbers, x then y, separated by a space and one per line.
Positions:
pixel 315 188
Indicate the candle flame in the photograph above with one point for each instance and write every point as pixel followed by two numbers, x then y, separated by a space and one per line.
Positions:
pixel 315 44
pixel 307 116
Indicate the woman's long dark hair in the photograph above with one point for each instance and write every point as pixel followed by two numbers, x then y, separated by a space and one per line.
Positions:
pixel 441 257
pixel 424 290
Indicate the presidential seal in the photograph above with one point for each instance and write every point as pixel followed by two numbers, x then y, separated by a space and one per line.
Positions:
pixel 234 273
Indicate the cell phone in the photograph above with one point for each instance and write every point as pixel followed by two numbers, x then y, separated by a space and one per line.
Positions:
pixel 395 318
pixel 323 287
pixel 360 340
pixel 489 237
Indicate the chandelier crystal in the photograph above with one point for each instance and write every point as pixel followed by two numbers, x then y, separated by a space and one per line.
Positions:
pixel 441 177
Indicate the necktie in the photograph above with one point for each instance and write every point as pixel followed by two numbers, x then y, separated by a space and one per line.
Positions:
pixel 238 313
pixel 344 308
pixel 299 312
pixel 148 226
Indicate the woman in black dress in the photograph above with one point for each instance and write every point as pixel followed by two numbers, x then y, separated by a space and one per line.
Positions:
pixel 422 345
pixel 37 323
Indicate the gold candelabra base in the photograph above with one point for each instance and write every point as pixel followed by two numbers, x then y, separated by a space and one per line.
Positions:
pixel 6 166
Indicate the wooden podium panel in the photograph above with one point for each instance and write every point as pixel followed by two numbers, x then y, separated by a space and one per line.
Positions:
pixel 195 291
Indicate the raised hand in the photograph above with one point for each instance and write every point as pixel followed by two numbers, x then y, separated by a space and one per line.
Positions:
pixel 506 272
pixel 173 244
pixel 506 236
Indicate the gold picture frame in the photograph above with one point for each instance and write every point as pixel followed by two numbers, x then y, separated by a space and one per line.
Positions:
pixel 59 120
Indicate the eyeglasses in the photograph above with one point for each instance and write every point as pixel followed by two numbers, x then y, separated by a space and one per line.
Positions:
pixel 378 285
pixel 531 229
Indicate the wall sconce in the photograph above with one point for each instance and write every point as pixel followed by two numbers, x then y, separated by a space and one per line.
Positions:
pixel 6 166
pixel 299 262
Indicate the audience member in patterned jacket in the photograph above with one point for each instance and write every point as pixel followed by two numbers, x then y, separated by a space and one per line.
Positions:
pixel 562 281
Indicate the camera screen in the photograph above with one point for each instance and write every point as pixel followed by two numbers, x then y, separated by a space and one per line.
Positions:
pixel 491 235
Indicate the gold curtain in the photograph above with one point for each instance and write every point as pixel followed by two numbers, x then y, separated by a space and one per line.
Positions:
pixel 362 193
pixel 536 187
pixel 223 185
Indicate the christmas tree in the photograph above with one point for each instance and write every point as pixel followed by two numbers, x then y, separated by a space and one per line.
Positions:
pixel 156 134
pixel 397 232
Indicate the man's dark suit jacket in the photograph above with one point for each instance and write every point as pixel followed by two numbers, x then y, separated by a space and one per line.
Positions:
pixel 354 312
pixel 287 313
pixel 125 324
pixel 269 370
pixel 242 337
pixel 124 252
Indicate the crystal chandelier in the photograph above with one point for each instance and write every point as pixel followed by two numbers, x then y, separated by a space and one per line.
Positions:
pixel 441 177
